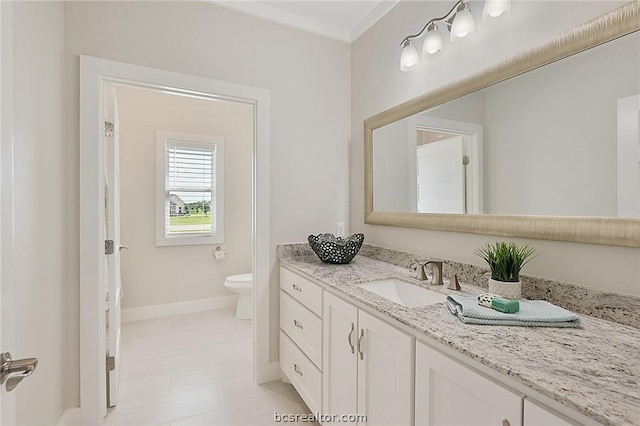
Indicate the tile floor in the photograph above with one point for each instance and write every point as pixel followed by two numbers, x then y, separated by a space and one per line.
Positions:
pixel 195 370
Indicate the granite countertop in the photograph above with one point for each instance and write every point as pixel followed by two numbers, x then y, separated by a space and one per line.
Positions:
pixel 594 369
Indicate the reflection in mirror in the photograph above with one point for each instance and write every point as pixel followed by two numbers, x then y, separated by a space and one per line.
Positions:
pixel 426 164
pixel 559 140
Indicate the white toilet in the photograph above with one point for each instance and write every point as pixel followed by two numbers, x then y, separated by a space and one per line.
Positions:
pixel 242 285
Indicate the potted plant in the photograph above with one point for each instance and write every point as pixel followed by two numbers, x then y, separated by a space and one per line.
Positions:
pixel 506 260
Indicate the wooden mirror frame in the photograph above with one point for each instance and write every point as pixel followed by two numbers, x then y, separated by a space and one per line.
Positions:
pixel 595 230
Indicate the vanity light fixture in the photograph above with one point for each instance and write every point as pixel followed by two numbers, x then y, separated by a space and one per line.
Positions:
pixel 496 11
pixel 459 22
pixel 463 27
pixel 433 43
pixel 409 60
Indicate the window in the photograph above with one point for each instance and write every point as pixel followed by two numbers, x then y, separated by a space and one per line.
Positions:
pixel 190 186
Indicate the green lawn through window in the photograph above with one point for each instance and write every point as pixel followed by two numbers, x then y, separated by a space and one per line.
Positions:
pixel 194 219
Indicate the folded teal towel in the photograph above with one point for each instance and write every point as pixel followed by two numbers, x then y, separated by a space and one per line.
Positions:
pixel 532 313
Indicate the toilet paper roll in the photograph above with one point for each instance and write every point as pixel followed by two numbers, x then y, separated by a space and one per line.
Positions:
pixel 219 255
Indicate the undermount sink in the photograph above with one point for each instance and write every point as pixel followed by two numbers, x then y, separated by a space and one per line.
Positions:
pixel 404 293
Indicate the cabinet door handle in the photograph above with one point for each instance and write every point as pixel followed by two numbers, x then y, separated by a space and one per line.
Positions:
pixel 296 369
pixel 296 288
pixel 505 422
pixel 349 338
pixel 360 343
pixel 298 324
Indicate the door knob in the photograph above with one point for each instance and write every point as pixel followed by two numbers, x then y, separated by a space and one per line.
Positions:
pixel 14 371
pixel 124 247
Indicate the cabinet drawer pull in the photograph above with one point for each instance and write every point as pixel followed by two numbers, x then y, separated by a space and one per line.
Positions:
pixel 505 422
pixel 360 343
pixel 296 369
pixel 353 349
pixel 296 288
pixel 298 324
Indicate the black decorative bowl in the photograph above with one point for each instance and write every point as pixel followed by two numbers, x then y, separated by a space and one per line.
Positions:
pixel 332 249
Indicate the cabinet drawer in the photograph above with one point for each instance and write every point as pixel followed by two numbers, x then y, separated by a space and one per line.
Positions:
pixel 304 376
pixel 303 290
pixel 302 326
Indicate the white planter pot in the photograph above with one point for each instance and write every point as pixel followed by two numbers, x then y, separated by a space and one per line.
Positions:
pixel 505 289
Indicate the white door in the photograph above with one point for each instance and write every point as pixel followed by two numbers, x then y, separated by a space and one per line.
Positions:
pixel 440 175
pixel 112 219
pixel 629 156
pixel 340 364
pixel 2 143
pixel 7 401
pixel 385 373
pixel 448 393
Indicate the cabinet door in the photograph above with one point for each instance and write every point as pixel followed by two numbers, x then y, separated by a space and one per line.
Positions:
pixel 448 393
pixel 340 366
pixel 537 415
pixel 385 373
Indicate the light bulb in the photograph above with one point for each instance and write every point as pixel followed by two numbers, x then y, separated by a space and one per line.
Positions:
pixel 464 27
pixel 409 59
pixel 496 11
pixel 433 43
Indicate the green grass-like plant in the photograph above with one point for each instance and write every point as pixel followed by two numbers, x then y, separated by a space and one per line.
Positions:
pixel 506 260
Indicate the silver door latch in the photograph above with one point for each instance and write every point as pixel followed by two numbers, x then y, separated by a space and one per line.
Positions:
pixel 14 371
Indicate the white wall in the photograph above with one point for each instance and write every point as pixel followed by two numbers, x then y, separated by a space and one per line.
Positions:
pixel 309 81
pixel 37 261
pixel 378 84
pixel 154 275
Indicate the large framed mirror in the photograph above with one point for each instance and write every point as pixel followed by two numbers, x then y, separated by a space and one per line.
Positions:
pixel 543 145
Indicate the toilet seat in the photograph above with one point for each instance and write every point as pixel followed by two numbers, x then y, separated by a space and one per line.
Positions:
pixel 239 281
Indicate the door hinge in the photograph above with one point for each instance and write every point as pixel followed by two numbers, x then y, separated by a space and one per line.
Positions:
pixel 111 363
pixel 465 160
pixel 109 247
pixel 108 129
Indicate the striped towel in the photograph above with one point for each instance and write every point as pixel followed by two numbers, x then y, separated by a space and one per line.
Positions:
pixel 532 313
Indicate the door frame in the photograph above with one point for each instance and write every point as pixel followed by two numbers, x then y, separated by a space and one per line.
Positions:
pixel 474 194
pixel 94 74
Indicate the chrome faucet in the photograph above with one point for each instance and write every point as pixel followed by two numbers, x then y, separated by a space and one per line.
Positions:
pixel 436 270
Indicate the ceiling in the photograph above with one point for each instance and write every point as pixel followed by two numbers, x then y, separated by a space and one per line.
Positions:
pixel 339 19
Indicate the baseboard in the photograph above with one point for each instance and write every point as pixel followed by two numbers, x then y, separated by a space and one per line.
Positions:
pixel 181 308
pixel 70 417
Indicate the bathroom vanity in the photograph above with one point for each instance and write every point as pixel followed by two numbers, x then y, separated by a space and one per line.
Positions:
pixel 350 351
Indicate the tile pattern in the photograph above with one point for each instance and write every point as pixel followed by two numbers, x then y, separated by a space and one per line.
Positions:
pixel 620 308
pixel 195 370
pixel 594 369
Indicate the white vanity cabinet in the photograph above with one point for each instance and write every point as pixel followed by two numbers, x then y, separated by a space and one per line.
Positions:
pixel 368 366
pixel 449 393
pixel 301 336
